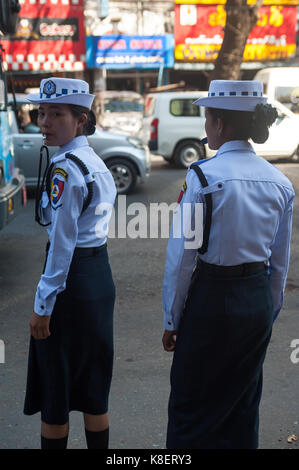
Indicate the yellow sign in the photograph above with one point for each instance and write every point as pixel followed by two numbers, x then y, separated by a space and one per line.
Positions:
pixel 196 52
pixel 255 52
pixel 274 19
pixel 219 17
pixel 262 52
pixel 223 2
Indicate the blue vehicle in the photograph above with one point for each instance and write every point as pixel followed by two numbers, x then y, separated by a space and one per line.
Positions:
pixel 12 181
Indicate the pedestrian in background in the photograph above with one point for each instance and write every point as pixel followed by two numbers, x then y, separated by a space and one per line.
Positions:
pixel 71 347
pixel 220 301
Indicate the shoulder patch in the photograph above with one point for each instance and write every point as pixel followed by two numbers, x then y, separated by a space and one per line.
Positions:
pixel 59 179
pixel 184 188
pixel 62 172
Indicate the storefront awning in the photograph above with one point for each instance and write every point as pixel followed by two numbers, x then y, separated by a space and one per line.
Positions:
pixel 50 37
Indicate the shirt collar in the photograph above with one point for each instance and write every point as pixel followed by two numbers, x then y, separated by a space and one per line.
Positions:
pixel 240 145
pixel 76 142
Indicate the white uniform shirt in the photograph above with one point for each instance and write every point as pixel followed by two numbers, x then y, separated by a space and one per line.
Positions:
pixel 251 221
pixel 69 228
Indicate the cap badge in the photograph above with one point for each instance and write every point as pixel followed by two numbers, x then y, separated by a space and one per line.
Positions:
pixel 49 88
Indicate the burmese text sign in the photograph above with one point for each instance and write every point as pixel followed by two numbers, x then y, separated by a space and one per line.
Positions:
pixel 199 32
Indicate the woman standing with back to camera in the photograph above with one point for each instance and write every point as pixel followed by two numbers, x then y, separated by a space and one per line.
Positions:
pixel 71 347
pixel 218 318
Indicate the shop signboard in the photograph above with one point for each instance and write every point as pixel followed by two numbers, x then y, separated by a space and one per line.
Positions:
pixel 129 52
pixel 199 28
pixel 50 37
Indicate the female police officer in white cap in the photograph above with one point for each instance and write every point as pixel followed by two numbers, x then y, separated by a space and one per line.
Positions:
pixel 220 301
pixel 71 348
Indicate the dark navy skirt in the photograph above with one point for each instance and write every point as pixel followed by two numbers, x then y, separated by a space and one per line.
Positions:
pixel 72 368
pixel 216 375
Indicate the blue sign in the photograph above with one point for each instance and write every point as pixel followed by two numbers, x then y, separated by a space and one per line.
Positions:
pixel 130 52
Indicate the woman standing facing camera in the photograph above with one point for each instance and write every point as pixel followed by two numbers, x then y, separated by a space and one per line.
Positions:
pixel 221 299
pixel 71 347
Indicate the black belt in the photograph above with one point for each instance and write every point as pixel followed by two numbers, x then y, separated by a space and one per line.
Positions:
pixel 90 251
pixel 231 271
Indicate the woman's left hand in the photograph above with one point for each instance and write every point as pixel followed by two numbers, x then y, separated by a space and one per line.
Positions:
pixel 39 326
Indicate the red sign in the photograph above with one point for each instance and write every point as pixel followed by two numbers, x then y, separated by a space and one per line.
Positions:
pixel 199 33
pixel 50 37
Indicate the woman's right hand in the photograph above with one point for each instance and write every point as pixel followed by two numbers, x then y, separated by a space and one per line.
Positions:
pixel 169 340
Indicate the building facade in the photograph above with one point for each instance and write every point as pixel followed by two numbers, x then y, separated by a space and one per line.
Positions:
pixel 138 45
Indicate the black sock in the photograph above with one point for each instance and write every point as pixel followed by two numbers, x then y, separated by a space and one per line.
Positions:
pixel 54 443
pixel 97 439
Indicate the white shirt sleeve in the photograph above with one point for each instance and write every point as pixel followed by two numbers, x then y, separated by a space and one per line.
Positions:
pixel 184 241
pixel 280 255
pixel 67 197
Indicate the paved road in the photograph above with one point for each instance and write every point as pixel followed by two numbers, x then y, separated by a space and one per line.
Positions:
pixel 139 394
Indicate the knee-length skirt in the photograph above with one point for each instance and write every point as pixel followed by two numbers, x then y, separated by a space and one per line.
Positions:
pixel 72 368
pixel 216 374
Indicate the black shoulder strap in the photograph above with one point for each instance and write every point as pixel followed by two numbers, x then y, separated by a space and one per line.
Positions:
pixel 84 171
pixel 209 209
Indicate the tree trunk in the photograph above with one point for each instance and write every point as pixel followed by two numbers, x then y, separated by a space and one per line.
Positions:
pixel 240 19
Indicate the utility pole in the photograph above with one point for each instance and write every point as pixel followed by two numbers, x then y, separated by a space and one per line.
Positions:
pixel 140 28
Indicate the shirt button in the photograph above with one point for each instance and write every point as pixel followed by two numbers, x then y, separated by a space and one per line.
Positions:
pixel 42 307
pixel 169 323
pixel 220 185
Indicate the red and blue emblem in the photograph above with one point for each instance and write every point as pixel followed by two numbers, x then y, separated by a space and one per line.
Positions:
pixel 184 188
pixel 56 192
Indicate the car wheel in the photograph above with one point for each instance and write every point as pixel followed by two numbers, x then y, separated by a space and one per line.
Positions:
pixel 124 174
pixel 188 152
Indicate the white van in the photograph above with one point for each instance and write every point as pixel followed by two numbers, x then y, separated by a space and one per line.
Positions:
pixel 281 84
pixel 174 128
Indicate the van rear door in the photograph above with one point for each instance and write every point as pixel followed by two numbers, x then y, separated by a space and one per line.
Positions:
pixel 148 133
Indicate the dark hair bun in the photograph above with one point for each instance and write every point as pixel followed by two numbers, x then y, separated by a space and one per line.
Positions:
pixel 90 126
pixel 266 113
pixel 263 117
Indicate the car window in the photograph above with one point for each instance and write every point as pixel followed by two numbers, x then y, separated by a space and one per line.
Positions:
pixel 122 106
pixel 27 119
pixel 184 107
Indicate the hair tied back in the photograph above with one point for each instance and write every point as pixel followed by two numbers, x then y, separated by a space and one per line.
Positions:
pixel 91 123
pixel 265 113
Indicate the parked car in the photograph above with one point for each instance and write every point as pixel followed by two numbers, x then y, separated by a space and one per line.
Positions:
pixel 127 158
pixel 281 84
pixel 283 141
pixel 175 128
pixel 119 111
